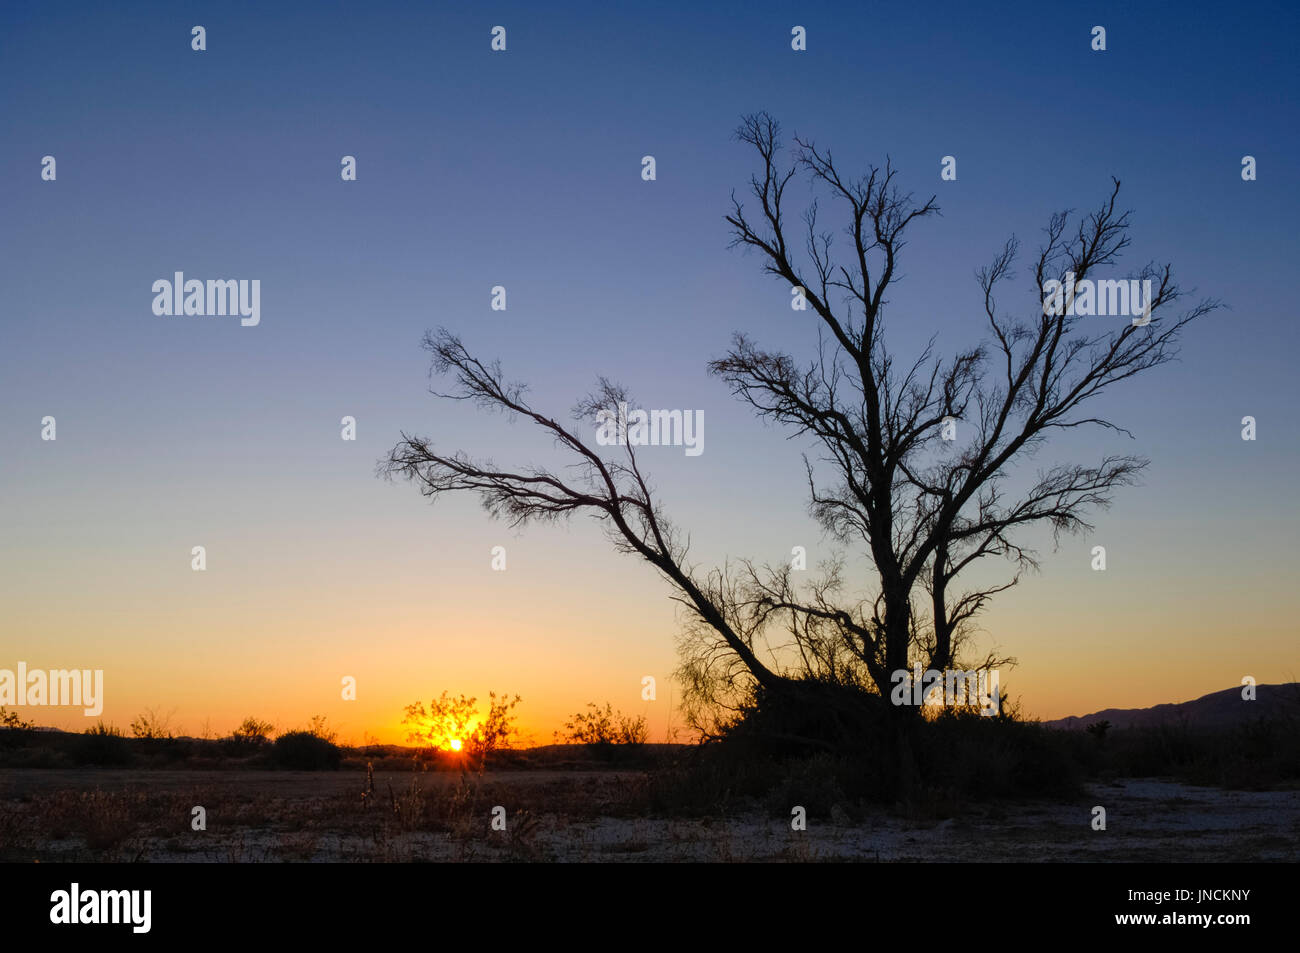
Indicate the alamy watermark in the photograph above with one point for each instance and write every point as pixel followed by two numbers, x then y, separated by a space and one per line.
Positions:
pixel 216 296
pixel 61 686
pixel 951 687
pixel 1102 298
pixel 651 428
pixel 74 905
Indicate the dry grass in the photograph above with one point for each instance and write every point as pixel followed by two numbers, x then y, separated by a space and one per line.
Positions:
pixel 123 816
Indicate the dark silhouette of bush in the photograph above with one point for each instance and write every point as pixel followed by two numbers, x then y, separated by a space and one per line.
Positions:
pixel 304 751
pixel 836 746
pixel 101 745
pixel 1256 755
pixel 252 733
pixel 152 725
pixel 445 727
pixel 14 731
pixel 608 733
pixel 607 727
pixel 251 737
pixel 1098 730
pixel 10 721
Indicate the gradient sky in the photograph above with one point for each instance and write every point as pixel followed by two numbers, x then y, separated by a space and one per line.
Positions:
pixel 523 169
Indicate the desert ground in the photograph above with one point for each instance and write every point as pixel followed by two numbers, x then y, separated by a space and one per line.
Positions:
pixel 596 815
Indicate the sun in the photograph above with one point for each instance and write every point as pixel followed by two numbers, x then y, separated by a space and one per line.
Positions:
pixel 454 744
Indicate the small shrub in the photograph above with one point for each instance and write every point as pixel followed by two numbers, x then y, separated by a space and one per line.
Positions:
pixel 102 745
pixel 318 727
pixel 453 725
pixel 304 751
pixel 14 732
pixel 252 733
pixel 10 720
pixel 151 726
pixel 603 728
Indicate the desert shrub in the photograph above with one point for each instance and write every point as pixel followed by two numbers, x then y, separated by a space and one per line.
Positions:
pixel 446 722
pixel 453 724
pixel 304 751
pixel 603 728
pixel 318 727
pixel 151 725
pixel 715 779
pixel 820 744
pixel 10 721
pixel 816 783
pixel 101 745
pixel 1258 754
pixel 497 730
pixel 980 758
pixel 14 732
pixel 252 733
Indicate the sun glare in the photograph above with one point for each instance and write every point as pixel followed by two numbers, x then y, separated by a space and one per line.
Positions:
pixel 454 744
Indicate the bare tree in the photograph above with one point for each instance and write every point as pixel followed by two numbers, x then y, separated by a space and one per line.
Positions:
pixel 923 508
pixel 615 491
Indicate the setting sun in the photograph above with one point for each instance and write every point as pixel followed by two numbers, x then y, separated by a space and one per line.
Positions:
pixel 454 744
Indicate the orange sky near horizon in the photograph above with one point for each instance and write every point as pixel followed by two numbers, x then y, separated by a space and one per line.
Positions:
pixel 364 579
pixel 215 647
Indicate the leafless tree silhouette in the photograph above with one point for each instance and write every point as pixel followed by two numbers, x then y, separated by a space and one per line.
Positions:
pixel 885 480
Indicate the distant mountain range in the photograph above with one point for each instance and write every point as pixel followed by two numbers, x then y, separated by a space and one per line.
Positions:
pixel 1216 710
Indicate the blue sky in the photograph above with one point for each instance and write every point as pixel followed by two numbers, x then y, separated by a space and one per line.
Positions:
pixel 522 169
